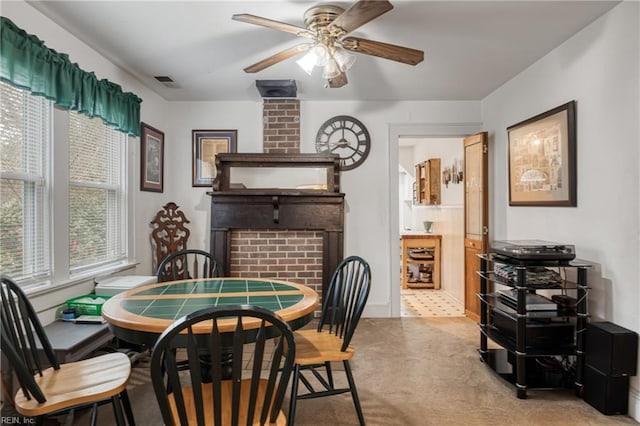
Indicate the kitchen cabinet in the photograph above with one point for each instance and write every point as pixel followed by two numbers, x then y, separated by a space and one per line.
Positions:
pixel 420 255
pixel 427 188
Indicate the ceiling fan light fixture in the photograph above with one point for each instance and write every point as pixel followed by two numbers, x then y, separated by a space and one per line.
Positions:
pixel 321 54
pixel 307 62
pixel 331 70
pixel 318 56
pixel 344 58
pixel 327 26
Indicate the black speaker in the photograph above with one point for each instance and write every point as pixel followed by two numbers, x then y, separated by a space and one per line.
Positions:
pixel 609 395
pixel 611 349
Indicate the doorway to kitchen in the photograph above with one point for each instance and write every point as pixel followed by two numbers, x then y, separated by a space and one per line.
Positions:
pixel 419 131
pixel 433 289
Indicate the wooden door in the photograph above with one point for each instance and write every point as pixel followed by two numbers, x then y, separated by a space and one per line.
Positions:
pixel 476 229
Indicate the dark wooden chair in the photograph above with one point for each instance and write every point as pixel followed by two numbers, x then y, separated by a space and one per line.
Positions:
pixel 342 307
pixel 197 397
pixel 61 387
pixel 187 264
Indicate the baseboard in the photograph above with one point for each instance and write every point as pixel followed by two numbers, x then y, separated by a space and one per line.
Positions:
pixel 377 311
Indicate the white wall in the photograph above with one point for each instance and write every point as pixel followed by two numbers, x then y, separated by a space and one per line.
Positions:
pixel 448 151
pixel 245 117
pixel 405 159
pixel 599 68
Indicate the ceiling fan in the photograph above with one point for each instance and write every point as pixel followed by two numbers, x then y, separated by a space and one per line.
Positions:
pixel 329 47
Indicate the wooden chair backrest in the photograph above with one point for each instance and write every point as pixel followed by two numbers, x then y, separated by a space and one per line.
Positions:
pixel 23 337
pixel 187 264
pixel 197 391
pixel 346 298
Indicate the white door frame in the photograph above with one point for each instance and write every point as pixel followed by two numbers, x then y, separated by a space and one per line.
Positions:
pixel 397 131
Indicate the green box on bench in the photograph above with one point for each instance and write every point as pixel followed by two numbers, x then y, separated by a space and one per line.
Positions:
pixel 89 304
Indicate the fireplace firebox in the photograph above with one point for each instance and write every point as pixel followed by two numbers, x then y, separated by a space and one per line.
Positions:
pixel 269 192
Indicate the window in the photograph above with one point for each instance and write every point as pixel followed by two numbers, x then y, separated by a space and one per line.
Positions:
pixel 25 141
pixel 84 189
pixel 96 201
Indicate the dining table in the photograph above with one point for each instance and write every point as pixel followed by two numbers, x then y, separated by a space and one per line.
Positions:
pixel 140 315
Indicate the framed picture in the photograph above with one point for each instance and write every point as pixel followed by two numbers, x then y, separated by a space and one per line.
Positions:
pixel 151 159
pixel 542 159
pixel 206 144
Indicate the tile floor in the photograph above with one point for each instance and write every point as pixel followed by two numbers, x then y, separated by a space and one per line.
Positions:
pixel 429 303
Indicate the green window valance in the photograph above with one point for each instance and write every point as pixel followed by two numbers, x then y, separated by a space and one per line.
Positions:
pixel 27 63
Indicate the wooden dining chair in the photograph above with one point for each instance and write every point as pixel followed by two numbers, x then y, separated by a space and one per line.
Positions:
pixel 186 264
pixel 61 387
pixel 203 395
pixel 342 307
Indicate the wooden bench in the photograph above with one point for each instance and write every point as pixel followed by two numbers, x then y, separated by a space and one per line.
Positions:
pixel 73 342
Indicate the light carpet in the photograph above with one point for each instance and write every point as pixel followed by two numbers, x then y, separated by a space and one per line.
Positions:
pixel 417 371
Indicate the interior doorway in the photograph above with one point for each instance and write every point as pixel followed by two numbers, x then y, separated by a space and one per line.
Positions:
pixel 439 219
pixel 396 133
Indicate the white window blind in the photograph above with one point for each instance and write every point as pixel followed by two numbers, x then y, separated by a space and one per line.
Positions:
pixel 97 233
pixel 25 141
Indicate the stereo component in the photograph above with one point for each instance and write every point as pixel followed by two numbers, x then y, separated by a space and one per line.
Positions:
pixel 534 250
pixel 611 349
pixel 609 395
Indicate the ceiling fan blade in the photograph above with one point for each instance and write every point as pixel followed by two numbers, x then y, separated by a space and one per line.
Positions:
pixel 278 57
pixel 270 23
pixel 339 81
pixel 383 50
pixel 358 14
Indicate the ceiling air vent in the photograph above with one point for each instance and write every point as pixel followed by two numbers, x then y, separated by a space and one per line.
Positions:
pixel 166 80
pixel 277 88
pixel 163 78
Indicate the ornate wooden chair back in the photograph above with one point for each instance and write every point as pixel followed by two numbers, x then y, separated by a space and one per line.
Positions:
pixel 169 233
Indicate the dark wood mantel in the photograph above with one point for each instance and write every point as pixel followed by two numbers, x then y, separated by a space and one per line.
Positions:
pixel 234 207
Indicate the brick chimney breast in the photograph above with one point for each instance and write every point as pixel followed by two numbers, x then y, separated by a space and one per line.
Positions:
pixel 281 126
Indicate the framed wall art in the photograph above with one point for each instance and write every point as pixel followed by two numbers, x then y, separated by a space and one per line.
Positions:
pixel 542 159
pixel 206 145
pixel 151 159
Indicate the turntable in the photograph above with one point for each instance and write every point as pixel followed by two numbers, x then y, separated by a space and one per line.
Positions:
pixel 534 251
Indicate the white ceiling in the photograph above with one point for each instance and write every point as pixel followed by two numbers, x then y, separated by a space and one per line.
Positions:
pixel 471 48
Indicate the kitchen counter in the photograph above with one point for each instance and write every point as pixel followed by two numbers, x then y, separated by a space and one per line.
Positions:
pixel 419 234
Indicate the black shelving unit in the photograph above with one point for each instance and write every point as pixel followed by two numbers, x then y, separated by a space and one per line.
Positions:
pixel 518 360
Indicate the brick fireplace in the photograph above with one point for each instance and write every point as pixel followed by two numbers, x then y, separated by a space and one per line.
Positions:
pixel 288 255
pixel 285 234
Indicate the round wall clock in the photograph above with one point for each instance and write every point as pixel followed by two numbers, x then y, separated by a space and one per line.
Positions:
pixel 347 137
